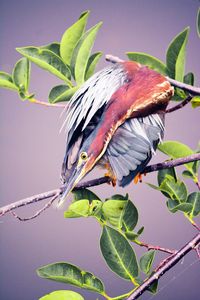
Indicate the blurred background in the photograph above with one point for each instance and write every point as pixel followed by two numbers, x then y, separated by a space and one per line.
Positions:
pixel 32 149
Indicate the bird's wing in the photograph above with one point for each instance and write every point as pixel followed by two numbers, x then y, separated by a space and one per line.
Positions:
pixel 132 146
pixel 94 93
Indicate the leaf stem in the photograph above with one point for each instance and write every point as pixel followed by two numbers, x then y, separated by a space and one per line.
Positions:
pixel 192 221
pixel 152 247
pixel 33 100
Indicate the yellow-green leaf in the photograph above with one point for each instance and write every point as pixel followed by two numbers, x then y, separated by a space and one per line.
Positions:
pixel 21 74
pixel 195 101
pixel 176 55
pixel 71 37
pixel 61 93
pixel 62 295
pixel 92 63
pixel 48 61
pixel 7 82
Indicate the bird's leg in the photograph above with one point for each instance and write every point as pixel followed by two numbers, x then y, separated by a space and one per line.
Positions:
pixel 138 178
pixel 110 174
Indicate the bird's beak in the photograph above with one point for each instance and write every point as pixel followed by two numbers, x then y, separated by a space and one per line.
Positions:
pixel 76 176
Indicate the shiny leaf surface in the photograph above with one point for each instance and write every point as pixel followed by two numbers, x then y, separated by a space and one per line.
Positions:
pixel 21 74
pixel 194 199
pixel 62 295
pixel 92 63
pixel 7 82
pixel 146 261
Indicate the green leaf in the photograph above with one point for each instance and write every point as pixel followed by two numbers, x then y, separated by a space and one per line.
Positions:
pixel 21 74
pixel 7 82
pixel 176 190
pixel 53 47
pixel 113 211
pixel 118 254
pixel 189 78
pixel 92 63
pixel 71 37
pixel 174 206
pixel 67 273
pixel 176 149
pixel 134 235
pixel 187 174
pixel 57 92
pixel 148 60
pixel 194 199
pixel 198 22
pixel 48 61
pixel 146 261
pixel 78 209
pixel 195 101
pixel 61 93
pixel 62 295
pixel 176 55
pixel 81 194
pixel 82 53
pixel 153 287
pixel 166 172
pixel 130 216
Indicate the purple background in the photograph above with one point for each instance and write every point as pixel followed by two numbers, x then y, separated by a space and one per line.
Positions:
pixel 32 150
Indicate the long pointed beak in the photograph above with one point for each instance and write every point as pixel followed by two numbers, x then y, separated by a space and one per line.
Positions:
pixel 76 176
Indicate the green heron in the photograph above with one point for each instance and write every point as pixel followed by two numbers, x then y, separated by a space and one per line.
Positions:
pixel 115 119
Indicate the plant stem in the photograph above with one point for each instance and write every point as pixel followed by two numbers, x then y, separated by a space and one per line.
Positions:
pixel 167 266
pixel 180 105
pixel 33 100
pixel 152 247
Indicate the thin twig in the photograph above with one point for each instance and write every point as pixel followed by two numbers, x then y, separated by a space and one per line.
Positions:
pixel 167 266
pixel 47 205
pixel 157 248
pixel 186 87
pixel 180 105
pixel 33 100
pixel 94 182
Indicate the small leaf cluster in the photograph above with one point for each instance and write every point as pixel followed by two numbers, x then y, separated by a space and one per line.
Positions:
pixel 118 218
pixel 174 189
pixel 70 60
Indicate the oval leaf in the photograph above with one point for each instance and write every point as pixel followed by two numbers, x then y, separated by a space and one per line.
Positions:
pixel 82 53
pixel 130 216
pixel 62 295
pixel 146 261
pixel 67 273
pixel 194 199
pixel 189 78
pixel 176 149
pixel 7 82
pixel 148 60
pixel 176 55
pixel 195 101
pixel 21 74
pixel 80 194
pixel 48 61
pixel 113 211
pixel 176 190
pixel 78 209
pixel 92 63
pixel 118 254
pixel 71 37
pixel 58 94
pixel 174 206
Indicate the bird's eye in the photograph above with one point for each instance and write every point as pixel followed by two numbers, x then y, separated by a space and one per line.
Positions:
pixel 84 156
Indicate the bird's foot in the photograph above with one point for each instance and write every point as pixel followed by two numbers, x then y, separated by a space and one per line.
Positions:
pixel 110 175
pixel 138 178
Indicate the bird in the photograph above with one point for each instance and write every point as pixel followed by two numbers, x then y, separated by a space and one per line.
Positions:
pixel 115 120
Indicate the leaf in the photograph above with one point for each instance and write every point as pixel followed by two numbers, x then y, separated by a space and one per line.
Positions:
pixel 198 22
pixel 61 93
pixel 176 149
pixel 71 37
pixel 166 172
pixel 118 254
pixel 130 216
pixel 21 74
pixel 82 53
pixel 62 295
pixel 67 273
pixel 56 93
pixel 78 209
pixel 175 58
pixel 91 65
pixel 53 47
pixel 174 206
pixel 153 287
pixel 148 60
pixel 134 235
pixel 113 211
pixel 80 194
pixel 48 61
pixel 189 78
pixel 146 261
pixel 176 190
pixel 195 101
pixel 194 199
pixel 7 82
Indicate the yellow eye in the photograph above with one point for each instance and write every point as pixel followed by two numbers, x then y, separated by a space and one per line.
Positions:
pixel 83 156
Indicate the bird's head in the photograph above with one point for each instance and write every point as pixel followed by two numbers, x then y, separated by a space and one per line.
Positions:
pixel 88 155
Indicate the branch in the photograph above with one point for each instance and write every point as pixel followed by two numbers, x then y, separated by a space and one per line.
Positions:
pixel 33 100
pixel 168 265
pixel 157 248
pixel 180 105
pixel 186 87
pixel 94 182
